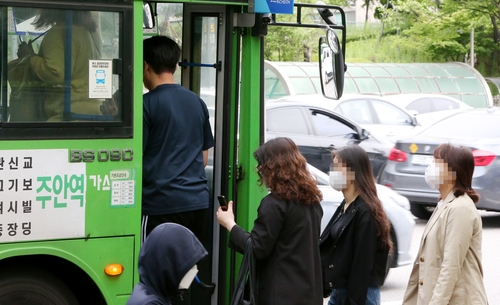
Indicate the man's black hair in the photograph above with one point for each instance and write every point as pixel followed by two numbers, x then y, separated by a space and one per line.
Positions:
pixel 161 53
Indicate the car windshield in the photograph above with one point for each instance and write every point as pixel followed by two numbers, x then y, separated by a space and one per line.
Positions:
pixel 466 126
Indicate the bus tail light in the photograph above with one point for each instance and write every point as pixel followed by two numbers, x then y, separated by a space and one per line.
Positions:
pixel 113 269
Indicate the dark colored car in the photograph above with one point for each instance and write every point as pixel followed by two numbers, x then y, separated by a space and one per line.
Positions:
pixel 317 131
pixel 478 129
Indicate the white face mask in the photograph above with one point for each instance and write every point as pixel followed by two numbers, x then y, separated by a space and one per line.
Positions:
pixel 188 278
pixel 432 175
pixel 338 180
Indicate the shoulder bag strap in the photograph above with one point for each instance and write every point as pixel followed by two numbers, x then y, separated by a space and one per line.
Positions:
pixel 246 277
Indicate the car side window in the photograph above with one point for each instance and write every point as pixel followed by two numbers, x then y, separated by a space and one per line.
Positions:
pixel 286 120
pixel 327 126
pixel 421 105
pixel 356 110
pixel 390 114
pixel 443 104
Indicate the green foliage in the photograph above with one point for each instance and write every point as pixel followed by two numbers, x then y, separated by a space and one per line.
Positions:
pixel 485 7
pixel 284 43
pixel 390 49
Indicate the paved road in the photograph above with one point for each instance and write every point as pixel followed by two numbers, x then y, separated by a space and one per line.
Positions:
pixel 393 290
pixel 395 285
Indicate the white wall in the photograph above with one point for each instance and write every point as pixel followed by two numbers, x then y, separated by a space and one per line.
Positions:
pixel 356 12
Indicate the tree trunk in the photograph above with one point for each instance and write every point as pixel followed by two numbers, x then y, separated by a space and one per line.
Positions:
pixel 496 32
pixel 381 33
pixel 367 6
pixel 307 53
pixel 383 24
pixel 496 39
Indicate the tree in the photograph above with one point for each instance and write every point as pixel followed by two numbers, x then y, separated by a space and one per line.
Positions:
pixel 284 43
pixel 366 5
pixel 490 8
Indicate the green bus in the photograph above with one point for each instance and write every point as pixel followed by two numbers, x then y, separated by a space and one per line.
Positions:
pixel 70 149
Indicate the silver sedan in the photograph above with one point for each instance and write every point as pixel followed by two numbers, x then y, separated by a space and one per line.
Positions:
pixel 478 129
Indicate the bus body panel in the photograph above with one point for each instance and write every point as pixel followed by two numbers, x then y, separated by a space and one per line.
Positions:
pixel 89 256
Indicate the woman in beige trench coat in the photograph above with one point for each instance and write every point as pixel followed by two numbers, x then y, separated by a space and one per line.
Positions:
pixel 447 269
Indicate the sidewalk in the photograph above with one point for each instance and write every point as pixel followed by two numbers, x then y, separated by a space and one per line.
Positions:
pixel 383 303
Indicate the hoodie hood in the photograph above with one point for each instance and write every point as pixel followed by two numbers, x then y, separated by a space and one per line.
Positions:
pixel 168 253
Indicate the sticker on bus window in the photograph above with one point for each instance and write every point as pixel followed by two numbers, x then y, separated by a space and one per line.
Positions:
pixel 39 189
pixel 100 78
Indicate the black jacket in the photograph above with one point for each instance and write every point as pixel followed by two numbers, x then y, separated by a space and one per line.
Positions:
pixel 168 253
pixel 357 259
pixel 285 243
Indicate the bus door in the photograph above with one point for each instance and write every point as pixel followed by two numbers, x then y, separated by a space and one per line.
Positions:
pixel 201 31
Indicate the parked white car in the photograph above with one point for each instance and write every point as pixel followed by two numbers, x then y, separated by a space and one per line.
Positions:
pixel 425 103
pixel 395 206
pixel 428 108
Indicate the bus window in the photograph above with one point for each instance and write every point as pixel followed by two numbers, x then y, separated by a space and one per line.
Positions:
pixel 50 78
pixel 64 66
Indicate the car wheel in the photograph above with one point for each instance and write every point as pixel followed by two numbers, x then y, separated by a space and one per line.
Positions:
pixel 420 210
pixel 23 285
pixel 392 258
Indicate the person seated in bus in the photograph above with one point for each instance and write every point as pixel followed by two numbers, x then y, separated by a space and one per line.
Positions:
pixel 176 139
pixel 167 265
pixel 286 232
pixel 47 68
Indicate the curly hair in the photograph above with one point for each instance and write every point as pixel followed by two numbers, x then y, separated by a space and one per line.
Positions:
pixel 283 169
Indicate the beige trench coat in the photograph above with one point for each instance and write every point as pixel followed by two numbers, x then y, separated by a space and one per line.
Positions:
pixel 448 269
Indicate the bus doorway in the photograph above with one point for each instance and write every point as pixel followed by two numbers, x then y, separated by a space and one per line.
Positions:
pixel 200 30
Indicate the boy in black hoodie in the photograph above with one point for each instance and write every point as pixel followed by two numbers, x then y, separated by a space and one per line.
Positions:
pixel 167 258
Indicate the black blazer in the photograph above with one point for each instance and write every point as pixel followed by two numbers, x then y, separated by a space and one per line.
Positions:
pixel 285 244
pixel 356 259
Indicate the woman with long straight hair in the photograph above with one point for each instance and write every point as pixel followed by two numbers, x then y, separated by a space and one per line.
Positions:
pixel 355 244
pixel 448 268
pixel 286 231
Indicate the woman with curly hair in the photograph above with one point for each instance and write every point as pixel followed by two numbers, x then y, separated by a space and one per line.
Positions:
pixel 355 244
pixel 286 231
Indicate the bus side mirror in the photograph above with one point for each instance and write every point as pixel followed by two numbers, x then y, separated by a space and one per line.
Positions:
pixel 149 20
pixel 331 65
